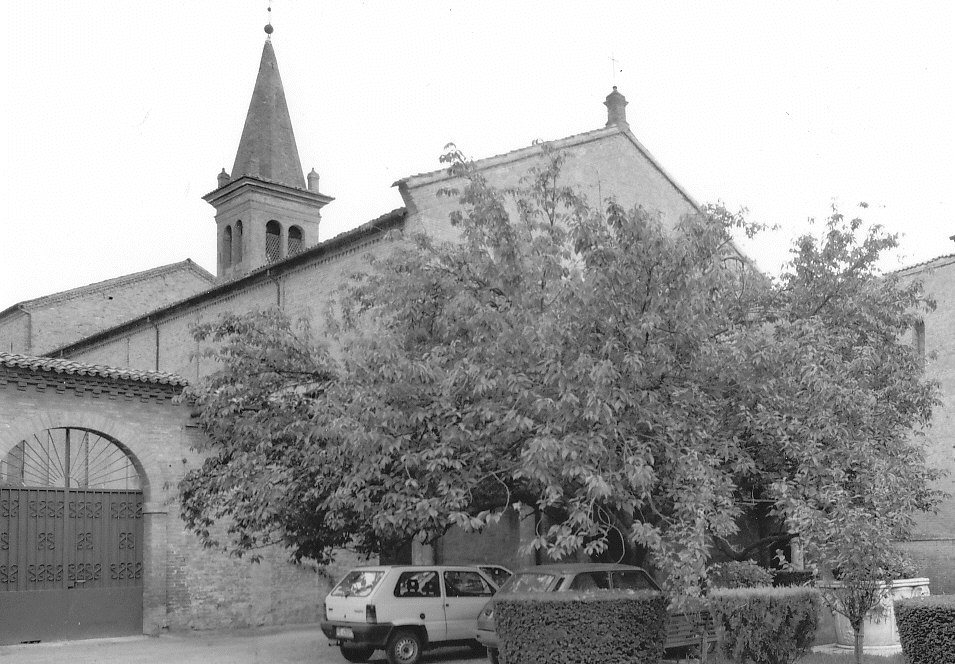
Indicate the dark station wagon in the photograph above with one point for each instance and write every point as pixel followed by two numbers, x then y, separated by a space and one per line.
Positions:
pixel 683 629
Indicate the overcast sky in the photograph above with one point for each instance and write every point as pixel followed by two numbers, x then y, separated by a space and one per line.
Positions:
pixel 117 114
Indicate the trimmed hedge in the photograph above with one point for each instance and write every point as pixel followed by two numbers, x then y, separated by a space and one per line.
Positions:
pixel 568 627
pixel 783 578
pixel 735 574
pixel 765 625
pixel 927 628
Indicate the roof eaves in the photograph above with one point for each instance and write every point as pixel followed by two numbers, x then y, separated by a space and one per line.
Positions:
pixel 61 366
pixel 926 265
pixel 12 308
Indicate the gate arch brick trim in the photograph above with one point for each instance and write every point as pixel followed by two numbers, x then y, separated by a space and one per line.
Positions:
pixel 121 433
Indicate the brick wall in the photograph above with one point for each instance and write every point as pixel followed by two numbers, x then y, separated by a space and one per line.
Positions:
pixel 15 332
pixel 933 546
pixel 301 292
pixel 61 319
pixel 608 166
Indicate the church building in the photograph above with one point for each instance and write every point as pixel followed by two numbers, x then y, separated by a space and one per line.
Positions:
pixel 93 443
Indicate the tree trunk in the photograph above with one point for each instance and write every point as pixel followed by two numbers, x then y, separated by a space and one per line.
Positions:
pixel 860 635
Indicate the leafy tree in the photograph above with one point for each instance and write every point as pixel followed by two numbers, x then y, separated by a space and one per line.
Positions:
pixel 627 381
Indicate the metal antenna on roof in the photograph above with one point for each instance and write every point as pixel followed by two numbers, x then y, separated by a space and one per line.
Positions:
pixel 613 68
pixel 268 26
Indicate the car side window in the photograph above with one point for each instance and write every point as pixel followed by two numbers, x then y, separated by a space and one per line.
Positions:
pixel 631 580
pixel 498 574
pixel 466 584
pixel 419 583
pixel 591 581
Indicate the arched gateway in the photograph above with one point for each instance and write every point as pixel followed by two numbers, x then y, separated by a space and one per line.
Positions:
pixel 71 537
pixel 91 543
pixel 89 461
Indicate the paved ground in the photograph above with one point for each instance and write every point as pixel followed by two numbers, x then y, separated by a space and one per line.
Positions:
pixel 273 645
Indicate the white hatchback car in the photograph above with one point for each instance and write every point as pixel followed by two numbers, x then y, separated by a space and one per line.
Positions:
pixel 407 609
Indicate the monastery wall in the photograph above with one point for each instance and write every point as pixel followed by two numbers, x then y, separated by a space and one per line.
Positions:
pixel 15 332
pixel 62 319
pixel 933 544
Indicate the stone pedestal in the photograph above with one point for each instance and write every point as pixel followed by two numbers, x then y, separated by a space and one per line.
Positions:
pixel 880 634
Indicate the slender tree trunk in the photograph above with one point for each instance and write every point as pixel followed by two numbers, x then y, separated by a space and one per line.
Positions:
pixel 860 636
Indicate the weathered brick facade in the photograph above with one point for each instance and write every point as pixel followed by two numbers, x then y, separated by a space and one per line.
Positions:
pixel 933 546
pixel 38 326
pixel 602 164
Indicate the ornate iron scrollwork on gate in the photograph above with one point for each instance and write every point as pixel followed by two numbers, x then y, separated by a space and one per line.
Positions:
pixel 121 571
pixel 45 541
pixel 44 573
pixel 84 541
pixel 9 508
pixel 8 574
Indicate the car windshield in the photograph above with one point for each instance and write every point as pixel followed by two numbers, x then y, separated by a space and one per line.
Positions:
pixel 358 583
pixel 528 582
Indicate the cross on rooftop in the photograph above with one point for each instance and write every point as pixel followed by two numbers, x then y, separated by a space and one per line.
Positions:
pixel 613 68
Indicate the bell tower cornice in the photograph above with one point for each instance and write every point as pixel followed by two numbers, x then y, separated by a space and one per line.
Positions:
pixel 235 188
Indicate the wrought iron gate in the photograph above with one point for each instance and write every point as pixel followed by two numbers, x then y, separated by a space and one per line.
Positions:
pixel 71 539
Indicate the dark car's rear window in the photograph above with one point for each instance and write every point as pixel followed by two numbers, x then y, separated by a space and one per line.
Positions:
pixel 529 582
pixel 632 579
pixel 590 581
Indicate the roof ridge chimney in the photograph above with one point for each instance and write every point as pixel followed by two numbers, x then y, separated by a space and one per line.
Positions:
pixel 616 105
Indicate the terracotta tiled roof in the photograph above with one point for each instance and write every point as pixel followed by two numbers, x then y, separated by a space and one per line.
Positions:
pixel 70 367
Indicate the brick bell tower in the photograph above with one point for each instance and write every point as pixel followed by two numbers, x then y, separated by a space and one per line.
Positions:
pixel 264 210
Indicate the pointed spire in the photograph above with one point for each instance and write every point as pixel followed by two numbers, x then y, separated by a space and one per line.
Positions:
pixel 267 148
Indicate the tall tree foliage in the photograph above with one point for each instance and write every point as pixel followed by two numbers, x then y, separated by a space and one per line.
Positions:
pixel 624 380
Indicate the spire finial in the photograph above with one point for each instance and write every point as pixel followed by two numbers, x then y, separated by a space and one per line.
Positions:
pixel 268 26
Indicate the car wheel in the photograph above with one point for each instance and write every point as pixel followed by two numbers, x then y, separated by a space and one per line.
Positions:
pixel 404 647
pixel 492 656
pixel 354 653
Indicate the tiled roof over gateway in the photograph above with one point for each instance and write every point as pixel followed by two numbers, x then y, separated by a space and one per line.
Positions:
pixel 69 367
